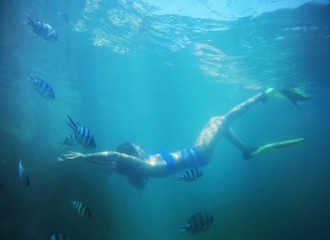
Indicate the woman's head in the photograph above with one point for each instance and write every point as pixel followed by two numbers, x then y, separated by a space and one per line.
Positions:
pixel 131 149
pixel 134 176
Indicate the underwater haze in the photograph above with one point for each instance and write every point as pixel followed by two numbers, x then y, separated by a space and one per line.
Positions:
pixel 153 73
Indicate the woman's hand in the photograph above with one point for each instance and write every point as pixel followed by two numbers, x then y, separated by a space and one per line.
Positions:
pixel 70 156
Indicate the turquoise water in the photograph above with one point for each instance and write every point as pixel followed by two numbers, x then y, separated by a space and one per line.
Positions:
pixel 134 71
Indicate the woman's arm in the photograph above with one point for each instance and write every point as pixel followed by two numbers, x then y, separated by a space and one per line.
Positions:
pixel 103 158
pixel 109 158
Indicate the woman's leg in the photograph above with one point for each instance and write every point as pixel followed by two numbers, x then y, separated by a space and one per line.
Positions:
pixel 242 108
pixel 218 126
pixel 249 152
pixel 237 142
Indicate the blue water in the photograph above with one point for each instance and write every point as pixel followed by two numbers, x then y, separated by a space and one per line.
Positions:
pixel 131 71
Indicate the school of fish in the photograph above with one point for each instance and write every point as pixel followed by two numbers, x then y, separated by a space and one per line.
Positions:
pixel 200 221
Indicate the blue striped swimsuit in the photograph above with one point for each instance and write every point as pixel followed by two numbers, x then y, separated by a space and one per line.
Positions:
pixel 190 158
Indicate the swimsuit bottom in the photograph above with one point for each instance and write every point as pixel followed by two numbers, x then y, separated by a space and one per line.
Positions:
pixel 190 158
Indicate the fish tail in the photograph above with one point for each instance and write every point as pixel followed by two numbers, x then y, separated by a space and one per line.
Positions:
pixel 183 229
pixel 30 78
pixel 73 126
pixel 179 177
pixel 29 20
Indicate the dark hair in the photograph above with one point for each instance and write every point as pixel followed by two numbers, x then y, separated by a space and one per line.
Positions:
pixel 135 177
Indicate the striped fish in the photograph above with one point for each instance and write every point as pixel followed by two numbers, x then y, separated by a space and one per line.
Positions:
pixel 42 28
pixel 83 135
pixel 59 236
pixel 197 223
pixel 70 140
pixel 190 175
pixel 42 87
pixel 81 208
pixel 22 174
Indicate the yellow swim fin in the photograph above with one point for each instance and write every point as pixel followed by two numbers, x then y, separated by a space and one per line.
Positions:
pixel 276 146
pixel 293 95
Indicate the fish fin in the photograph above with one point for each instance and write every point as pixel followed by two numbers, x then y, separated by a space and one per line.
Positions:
pixel 178 177
pixel 29 20
pixel 31 78
pixel 73 126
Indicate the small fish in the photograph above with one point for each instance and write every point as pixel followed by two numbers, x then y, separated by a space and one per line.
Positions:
pixel 70 140
pixel 197 223
pixel 82 209
pixel 59 236
pixel 191 175
pixel 23 175
pixel 83 135
pixel 42 87
pixel 42 28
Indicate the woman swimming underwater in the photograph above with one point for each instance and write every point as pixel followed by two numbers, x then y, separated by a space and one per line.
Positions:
pixel 162 163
